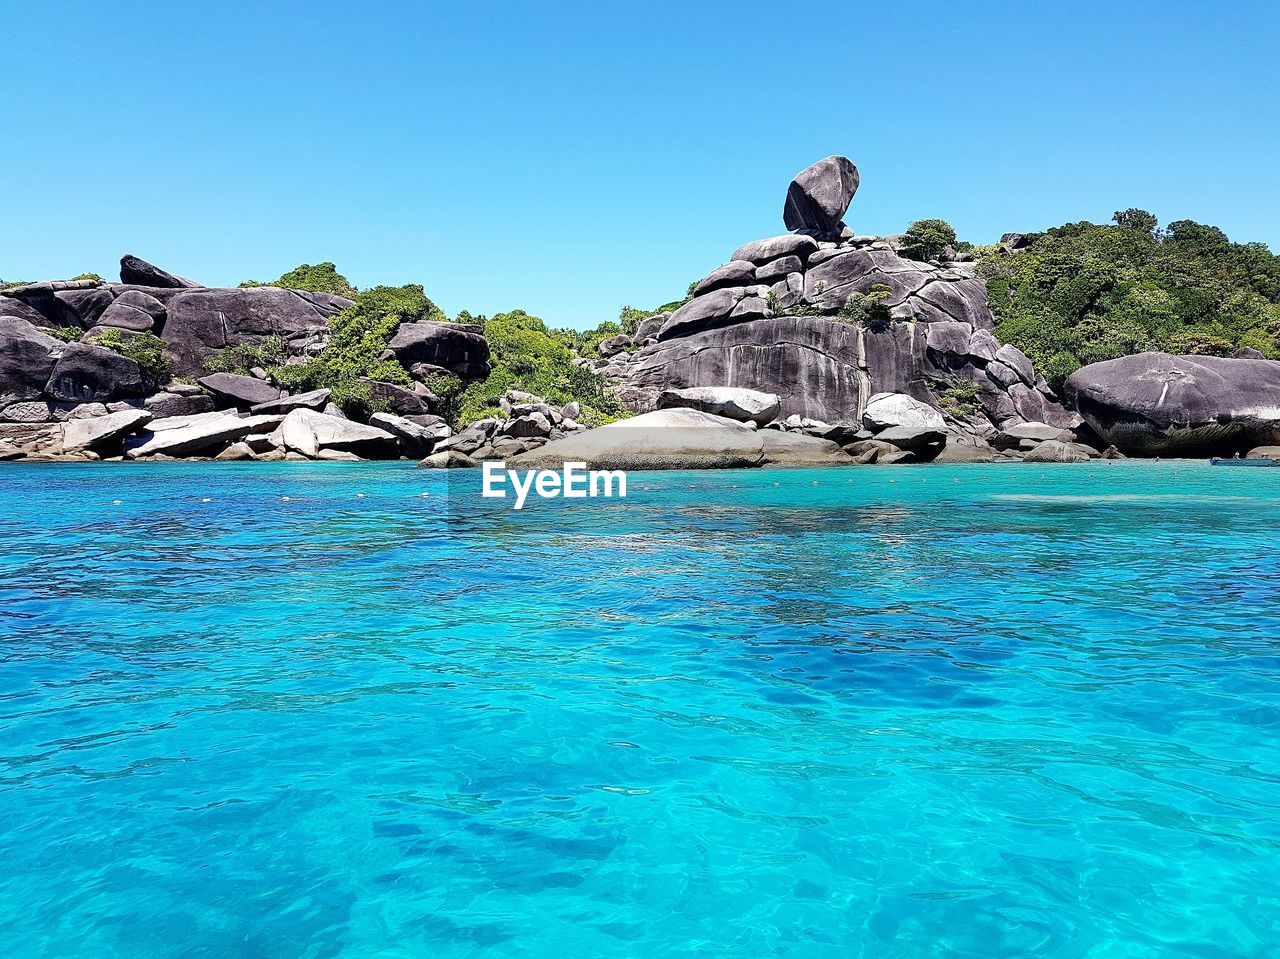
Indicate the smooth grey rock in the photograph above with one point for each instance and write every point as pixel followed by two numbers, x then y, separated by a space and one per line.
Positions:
pixel 1155 403
pixel 733 403
pixel 414 439
pixel 308 432
pixel 133 310
pixel 1262 452
pixel 531 424
pixel 778 269
pixel 312 400
pixel 29 411
pixel 101 432
pixel 86 373
pixel 964 453
pixel 888 410
pixel 701 313
pixel 1055 451
pixel 733 273
pixel 459 348
pixel 138 272
pixel 983 345
pixel 771 248
pixel 1014 358
pixel 236 452
pixel 663 439
pixel 199 434
pixel 83 307
pixel 797 449
pixel 925 442
pixel 243 391
pixel 949 337
pixel 27 358
pixel 202 322
pixel 447 460
pixel 820 194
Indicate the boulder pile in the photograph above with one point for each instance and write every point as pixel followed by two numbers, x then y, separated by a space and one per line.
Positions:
pixel 826 319
pixel 527 422
pixel 65 396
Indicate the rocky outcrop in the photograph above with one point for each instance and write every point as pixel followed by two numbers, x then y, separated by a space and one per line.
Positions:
pixel 27 358
pixel 1156 403
pixel 826 320
pixel 203 322
pixel 242 391
pixel 459 348
pixel 139 272
pixel 84 374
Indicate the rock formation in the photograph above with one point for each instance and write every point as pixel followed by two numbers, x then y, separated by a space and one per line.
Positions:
pixel 826 320
pixel 1154 403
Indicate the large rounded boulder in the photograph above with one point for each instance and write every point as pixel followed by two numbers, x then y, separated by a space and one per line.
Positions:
pixel 820 194
pixel 459 348
pixel 27 358
pixel 1156 403
pixel 201 322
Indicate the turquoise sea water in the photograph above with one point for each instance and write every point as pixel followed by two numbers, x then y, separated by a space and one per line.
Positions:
pixel 973 711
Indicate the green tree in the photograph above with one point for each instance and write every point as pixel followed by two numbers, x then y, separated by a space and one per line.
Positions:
pixel 317 278
pixel 926 239
pixel 1135 219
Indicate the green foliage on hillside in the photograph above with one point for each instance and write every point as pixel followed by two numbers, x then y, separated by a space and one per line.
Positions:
pixel 526 355
pixel 243 357
pixel 1083 292
pixel 147 350
pixel 926 239
pixel 360 335
pixel 317 278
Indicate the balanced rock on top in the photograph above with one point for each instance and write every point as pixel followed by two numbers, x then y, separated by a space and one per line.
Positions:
pixel 819 195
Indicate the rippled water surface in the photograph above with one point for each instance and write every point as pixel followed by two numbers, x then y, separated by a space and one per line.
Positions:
pixel 972 711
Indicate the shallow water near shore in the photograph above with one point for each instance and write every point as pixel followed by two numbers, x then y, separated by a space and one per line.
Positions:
pixel 975 711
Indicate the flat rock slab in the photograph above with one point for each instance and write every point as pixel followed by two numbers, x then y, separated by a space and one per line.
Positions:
pixel 241 390
pixel 102 431
pixel 731 402
pixel 214 430
pixel 661 440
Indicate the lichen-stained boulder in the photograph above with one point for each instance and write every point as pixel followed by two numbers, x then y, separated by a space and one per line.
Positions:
pixel 1156 403
pixel 134 310
pixel 730 402
pixel 139 272
pixel 87 374
pixel 307 432
pixel 27 358
pixel 820 194
pixel 204 321
pixel 459 348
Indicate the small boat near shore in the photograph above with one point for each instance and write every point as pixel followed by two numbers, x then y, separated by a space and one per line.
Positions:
pixel 1216 461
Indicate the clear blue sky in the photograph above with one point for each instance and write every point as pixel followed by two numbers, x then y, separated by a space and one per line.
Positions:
pixel 569 158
